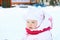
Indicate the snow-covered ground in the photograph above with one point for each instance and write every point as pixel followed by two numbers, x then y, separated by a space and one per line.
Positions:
pixel 12 22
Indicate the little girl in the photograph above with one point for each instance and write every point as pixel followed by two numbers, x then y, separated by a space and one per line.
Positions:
pixel 38 25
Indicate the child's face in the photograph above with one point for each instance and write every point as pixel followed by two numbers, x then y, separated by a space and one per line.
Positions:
pixel 31 24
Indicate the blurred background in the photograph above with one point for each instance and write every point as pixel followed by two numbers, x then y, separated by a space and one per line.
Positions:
pixel 9 3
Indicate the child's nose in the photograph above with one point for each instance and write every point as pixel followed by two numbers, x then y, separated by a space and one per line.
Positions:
pixel 30 24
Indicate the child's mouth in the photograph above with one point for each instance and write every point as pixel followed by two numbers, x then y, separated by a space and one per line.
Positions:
pixel 30 27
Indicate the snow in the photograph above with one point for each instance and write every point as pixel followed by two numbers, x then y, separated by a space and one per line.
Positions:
pixel 12 23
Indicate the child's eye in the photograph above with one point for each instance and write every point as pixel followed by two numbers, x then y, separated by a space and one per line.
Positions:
pixel 27 21
pixel 33 22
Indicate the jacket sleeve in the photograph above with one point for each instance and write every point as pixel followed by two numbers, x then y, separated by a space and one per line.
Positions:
pixel 47 22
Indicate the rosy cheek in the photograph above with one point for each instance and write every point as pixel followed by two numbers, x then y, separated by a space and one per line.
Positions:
pixel 29 25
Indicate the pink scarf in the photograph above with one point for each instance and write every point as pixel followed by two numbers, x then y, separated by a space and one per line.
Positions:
pixel 34 32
